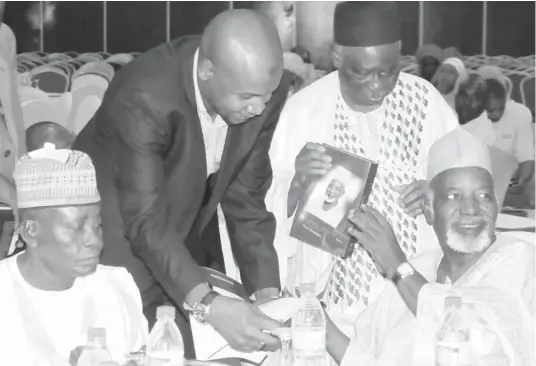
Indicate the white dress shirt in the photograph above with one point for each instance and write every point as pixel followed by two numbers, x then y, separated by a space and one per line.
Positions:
pixel 214 135
pixel 214 130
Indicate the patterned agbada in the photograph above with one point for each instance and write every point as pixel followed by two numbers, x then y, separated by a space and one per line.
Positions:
pixel 397 135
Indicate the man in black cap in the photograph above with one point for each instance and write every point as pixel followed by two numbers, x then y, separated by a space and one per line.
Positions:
pixel 369 108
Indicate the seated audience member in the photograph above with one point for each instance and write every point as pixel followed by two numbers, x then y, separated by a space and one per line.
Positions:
pixel 12 144
pixel 492 273
pixel 283 14
pixel 451 52
pixel 511 122
pixel 448 78
pixel 470 105
pixel 42 132
pixel 55 290
pixel 429 58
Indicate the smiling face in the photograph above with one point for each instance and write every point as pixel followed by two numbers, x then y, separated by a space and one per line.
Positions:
pixel 464 209
pixel 367 74
pixel 334 191
pixel 67 240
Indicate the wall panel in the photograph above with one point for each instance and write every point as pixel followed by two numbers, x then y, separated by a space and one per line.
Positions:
pixel 511 28
pixel 191 17
pixel 454 23
pixel 77 26
pixel 23 17
pixel 135 26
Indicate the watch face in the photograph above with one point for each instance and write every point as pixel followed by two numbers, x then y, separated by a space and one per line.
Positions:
pixel 405 270
pixel 200 313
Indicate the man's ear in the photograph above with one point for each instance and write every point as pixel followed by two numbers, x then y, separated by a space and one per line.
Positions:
pixel 336 55
pixel 205 69
pixel 29 233
pixel 428 206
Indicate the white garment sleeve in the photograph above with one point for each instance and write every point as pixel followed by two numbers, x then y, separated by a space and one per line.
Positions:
pixel 524 136
pixel 135 324
pixel 370 329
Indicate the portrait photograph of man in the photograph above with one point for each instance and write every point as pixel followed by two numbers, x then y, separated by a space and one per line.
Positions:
pixel 333 194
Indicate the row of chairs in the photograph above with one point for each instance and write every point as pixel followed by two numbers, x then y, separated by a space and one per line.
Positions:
pixel 60 73
pixel 65 88
pixel 524 64
pixel 69 77
pixel 520 71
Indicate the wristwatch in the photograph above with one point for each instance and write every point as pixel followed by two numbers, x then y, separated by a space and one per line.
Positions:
pixel 201 309
pixel 404 270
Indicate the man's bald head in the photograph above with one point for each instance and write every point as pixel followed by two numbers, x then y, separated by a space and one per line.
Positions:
pixel 240 58
pixel 241 36
pixel 40 133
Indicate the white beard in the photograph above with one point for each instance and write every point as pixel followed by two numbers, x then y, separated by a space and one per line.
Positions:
pixel 329 199
pixel 466 245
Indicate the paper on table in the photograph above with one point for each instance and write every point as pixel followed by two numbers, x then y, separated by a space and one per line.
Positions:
pixel 212 346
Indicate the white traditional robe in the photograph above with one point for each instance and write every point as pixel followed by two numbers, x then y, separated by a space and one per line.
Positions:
pixel 500 287
pixel 414 116
pixel 41 328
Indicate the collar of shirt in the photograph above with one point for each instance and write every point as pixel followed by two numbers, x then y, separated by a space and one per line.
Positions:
pixel 201 109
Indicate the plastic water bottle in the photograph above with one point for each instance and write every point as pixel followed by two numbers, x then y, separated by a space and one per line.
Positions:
pixel 452 340
pixel 95 352
pixel 165 346
pixel 309 329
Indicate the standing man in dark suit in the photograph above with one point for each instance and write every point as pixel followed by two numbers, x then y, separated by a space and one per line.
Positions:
pixel 184 127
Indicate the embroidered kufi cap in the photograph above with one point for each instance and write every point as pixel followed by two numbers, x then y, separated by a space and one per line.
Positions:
pixel 457 149
pixel 366 23
pixel 55 177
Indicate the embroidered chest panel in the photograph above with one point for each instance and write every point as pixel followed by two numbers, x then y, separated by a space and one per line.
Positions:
pixel 400 134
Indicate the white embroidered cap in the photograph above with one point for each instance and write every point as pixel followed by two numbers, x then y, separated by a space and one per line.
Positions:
pixel 457 149
pixel 50 177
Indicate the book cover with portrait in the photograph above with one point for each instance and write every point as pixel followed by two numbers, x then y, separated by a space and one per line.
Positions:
pixel 321 218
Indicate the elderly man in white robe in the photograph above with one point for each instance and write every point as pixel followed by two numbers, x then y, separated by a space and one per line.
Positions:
pixel 492 273
pixel 367 107
pixel 55 290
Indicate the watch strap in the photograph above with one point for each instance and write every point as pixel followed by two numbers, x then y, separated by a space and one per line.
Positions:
pixel 404 270
pixel 209 297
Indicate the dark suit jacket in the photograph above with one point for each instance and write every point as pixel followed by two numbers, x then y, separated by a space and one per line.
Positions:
pixel 147 147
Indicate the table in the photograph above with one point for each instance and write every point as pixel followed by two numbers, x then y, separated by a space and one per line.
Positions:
pixel 507 222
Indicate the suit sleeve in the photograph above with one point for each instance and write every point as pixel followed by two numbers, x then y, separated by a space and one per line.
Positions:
pixel 250 225
pixel 150 225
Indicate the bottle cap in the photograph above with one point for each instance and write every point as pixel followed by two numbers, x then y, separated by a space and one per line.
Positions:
pixel 165 312
pixel 307 288
pixel 93 333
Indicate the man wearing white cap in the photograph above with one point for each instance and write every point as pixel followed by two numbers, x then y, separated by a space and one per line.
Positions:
pixel 369 108
pixel 489 272
pixel 55 290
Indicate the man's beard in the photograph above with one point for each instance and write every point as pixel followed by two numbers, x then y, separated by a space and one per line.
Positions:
pixel 330 199
pixel 468 244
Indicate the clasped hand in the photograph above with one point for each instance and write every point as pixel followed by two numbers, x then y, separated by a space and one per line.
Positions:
pixel 313 161
pixel 376 236
pixel 243 325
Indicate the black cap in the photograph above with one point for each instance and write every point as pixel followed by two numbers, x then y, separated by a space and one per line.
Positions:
pixel 366 23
